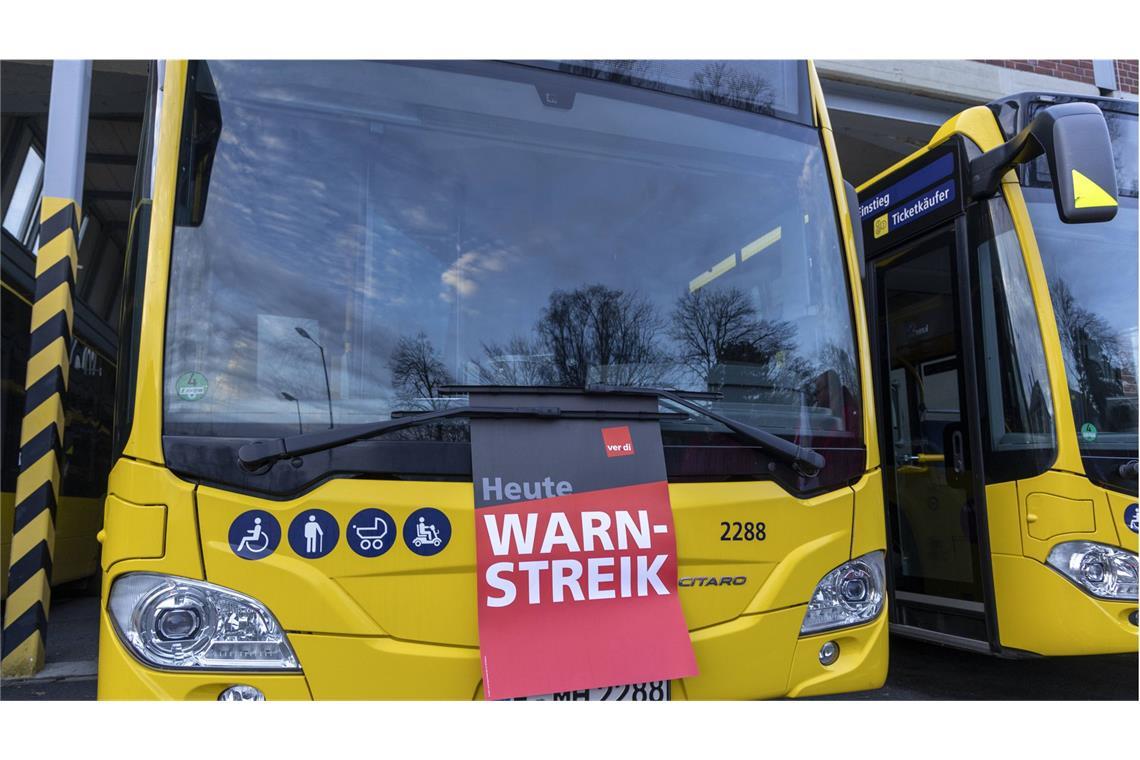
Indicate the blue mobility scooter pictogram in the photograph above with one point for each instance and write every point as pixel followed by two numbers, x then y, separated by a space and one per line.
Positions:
pixel 427 531
pixel 425 534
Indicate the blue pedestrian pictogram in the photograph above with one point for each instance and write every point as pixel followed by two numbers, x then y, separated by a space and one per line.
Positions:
pixel 254 534
pixel 427 531
pixel 313 533
pixel 1131 518
pixel 371 532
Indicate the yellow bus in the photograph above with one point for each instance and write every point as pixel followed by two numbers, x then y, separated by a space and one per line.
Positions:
pixel 334 246
pixel 1002 292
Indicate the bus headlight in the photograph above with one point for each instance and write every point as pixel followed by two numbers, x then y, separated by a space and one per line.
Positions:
pixel 172 622
pixel 850 594
pixel 1104 571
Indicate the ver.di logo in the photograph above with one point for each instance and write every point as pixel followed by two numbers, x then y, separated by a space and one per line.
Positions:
pixel 617 441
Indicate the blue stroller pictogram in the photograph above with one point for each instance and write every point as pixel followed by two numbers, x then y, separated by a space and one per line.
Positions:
pixel 370 532
pixel 371 538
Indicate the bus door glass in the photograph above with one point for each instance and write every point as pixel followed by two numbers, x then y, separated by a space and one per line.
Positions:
pixel 932 502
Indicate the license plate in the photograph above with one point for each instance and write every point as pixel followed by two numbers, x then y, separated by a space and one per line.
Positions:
pixel 652 691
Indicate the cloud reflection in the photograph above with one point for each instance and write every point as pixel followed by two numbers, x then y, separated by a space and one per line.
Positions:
pixel 448 208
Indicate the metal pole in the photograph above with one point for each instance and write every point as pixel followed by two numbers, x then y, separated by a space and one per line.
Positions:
pixel 290 397
pixel 328 387
pixel 41 434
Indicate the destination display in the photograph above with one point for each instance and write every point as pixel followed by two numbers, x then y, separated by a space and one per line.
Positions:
pixel 924 194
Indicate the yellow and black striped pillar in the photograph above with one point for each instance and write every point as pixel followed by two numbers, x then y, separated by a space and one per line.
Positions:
pixel 41 441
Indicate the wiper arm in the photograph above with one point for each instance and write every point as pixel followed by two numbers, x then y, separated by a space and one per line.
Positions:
pixel 254 456
pixel 568 390
pixel 806 461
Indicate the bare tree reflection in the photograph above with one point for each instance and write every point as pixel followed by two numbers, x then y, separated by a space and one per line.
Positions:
pixel 519 361
pixel 726 83
pixel 639 73
pixel 840 360
pixel 418 372
pixel 721 82
pixel 1097 363
pixel 711 325
pixel 1123 158
pixel 599 334
pixel 834 386
pixel 721 339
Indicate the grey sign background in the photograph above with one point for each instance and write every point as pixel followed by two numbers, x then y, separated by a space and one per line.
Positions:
pixel 526 450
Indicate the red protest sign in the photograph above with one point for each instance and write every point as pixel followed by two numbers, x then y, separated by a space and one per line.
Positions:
pixel 576 553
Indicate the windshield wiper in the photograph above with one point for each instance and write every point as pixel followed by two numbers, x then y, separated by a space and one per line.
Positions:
pixel 259 454
pixel 806 461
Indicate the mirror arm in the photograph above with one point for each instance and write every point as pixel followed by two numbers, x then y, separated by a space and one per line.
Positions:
pixel 1074 139
pixel 987 169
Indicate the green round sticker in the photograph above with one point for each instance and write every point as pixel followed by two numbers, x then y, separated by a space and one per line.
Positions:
pixel 192 386
pixel 1088 432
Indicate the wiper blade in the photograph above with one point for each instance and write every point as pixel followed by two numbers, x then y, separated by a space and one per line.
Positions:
pixel 261 454
pixel 569 390
pixel 806 461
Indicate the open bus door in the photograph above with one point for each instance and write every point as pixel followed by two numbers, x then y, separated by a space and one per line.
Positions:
pixel 919 301
pixel 958 357
pixel 936 508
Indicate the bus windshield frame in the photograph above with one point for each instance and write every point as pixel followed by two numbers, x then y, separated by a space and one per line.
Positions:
pixel 681 186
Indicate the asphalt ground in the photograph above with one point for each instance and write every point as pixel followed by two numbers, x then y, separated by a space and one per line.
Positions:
pixel 72 648
pixel 928 671
pixel 918 671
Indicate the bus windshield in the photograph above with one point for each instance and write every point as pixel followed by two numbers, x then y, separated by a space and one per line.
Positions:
pixel 359 235
pixel 1092 273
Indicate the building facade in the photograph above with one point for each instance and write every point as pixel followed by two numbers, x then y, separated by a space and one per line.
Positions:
pixel 884 110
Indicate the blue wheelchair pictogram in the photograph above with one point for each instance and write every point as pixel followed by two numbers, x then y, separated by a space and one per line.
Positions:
pixel 254 534
pixel 371 532
pixel 1131 518
pixel 427 531
pixel 313 533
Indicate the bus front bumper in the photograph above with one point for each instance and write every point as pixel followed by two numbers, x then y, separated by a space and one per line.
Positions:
pixel 1042 612
pixel 751 657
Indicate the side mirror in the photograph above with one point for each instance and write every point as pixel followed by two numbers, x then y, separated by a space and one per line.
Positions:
pixel 1074 139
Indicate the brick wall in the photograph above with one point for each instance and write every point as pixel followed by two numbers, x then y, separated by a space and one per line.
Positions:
pixel 1073 70
pixel 1126 76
